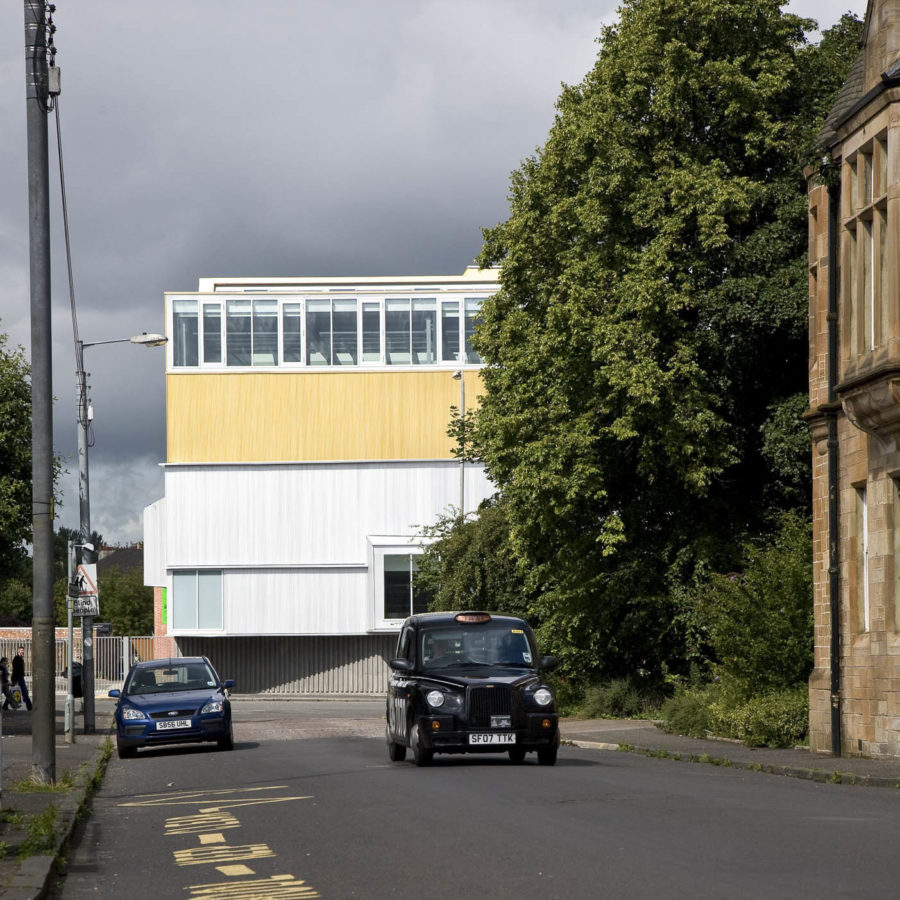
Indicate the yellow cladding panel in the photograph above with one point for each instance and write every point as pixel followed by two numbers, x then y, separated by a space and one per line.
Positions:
pixel 309 415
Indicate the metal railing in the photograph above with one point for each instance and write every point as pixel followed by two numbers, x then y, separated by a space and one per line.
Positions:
pixel 113 657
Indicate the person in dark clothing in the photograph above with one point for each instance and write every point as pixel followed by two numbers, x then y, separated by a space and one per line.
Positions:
pixel 5 689
pixel 18 676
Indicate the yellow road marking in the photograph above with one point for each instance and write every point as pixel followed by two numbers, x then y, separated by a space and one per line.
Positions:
pixel 236 871
pixel 212 838
pixel 185 796
pixel 278 887
pixel 199 856
pixel 202 822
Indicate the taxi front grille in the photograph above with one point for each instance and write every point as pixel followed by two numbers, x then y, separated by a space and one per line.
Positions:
pixel 485 702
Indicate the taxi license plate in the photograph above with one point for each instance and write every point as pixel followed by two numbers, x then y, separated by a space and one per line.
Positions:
pixel 492 738
pixel 171 724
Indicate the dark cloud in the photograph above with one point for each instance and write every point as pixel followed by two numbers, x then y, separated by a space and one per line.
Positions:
pixel 274 137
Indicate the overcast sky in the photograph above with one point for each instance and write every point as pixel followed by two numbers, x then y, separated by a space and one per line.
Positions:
pixel 263 137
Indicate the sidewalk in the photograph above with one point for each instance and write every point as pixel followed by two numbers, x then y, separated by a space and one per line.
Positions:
pixel 76 764
pixel 641 736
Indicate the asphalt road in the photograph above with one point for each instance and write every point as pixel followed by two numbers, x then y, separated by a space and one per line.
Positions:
pixel 308 805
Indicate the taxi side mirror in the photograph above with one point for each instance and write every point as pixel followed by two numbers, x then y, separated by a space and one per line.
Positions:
pixel 115 692
pixel 547 663
pixel 399 664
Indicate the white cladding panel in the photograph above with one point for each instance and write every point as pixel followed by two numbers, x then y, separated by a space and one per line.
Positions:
pixel 295 601
pixel 304 514
pixel 155 544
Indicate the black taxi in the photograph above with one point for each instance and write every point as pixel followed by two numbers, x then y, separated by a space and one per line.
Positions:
pixel 469 682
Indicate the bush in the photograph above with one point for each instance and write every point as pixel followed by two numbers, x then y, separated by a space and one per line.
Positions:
pixel 621 698
pixel 759 621
pixel 689 711
pixel 775 719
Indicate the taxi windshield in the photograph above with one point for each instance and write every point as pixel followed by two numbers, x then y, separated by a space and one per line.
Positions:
pixel 489 644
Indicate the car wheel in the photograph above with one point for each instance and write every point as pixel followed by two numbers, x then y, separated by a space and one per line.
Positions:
pixel 227 742
pixel 397 752
pixel 125 752
pixel 517 755
pixel 421 754
pixel 547 756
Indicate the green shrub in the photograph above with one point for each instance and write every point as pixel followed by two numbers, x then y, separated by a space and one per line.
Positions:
pixel 689 711
pixel 621 698
pixel 759 621
pixel 775 719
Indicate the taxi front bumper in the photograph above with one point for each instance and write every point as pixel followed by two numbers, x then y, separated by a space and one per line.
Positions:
pixel 449 734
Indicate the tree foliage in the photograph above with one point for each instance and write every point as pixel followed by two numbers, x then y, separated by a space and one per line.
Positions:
pixel 648 339
pixel 759 621
pixel 15 457
pixel 125 602
pixel 473 567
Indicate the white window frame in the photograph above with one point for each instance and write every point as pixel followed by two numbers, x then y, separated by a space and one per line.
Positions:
pixel 360 297
pixel 172 601
pixel 378 547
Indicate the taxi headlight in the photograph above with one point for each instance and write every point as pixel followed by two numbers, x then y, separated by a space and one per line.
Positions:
pixel 435 699
pixel 543 697
pixel 131 713
pixel 213 705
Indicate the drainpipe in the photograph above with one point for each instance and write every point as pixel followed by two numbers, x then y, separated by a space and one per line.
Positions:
pixel 834 555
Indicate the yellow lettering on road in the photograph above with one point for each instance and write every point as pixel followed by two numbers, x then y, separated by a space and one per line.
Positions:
pixel 238 871
pixel 199 856
pixel 278 887
pixel 200 823
pixel 212 838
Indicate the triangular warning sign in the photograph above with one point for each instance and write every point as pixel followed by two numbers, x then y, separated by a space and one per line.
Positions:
pixel 86 580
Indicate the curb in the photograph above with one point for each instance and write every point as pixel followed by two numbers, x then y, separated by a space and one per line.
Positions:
pixel 822 776
pixel 35 875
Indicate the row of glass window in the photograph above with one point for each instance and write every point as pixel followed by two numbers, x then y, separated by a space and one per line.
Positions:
pixel 197 594
pixel 324 332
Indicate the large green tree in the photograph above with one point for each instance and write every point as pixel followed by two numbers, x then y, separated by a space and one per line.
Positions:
pixel 651 321
pixel 15 458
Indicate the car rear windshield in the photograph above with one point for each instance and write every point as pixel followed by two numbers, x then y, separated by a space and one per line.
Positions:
pixel 164 678
pixel 489 644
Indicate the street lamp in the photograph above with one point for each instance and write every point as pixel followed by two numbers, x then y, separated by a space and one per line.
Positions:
pixel 458 376
pixel 84 503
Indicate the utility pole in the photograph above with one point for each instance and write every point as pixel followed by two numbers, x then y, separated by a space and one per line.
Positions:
pixel 43 728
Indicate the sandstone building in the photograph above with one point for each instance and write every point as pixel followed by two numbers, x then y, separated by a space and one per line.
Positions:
pixel 854 415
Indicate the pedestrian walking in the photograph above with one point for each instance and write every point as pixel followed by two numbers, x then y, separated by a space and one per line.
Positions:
pixel 5 688
pixel 18 676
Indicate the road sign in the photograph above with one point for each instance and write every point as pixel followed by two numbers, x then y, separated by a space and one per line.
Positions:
pixel 83 591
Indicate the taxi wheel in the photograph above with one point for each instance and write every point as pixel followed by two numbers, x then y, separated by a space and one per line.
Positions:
pixel 125 752
pixel 397 752
pixel 517 755
pixel 421 754
pixel 547 756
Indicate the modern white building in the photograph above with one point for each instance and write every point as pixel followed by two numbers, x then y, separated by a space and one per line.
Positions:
pixel 307 448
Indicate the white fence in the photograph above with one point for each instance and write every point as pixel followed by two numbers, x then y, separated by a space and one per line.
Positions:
pixel 112 658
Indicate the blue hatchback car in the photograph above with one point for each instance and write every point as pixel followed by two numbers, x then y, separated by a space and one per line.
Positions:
pixel 172 701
